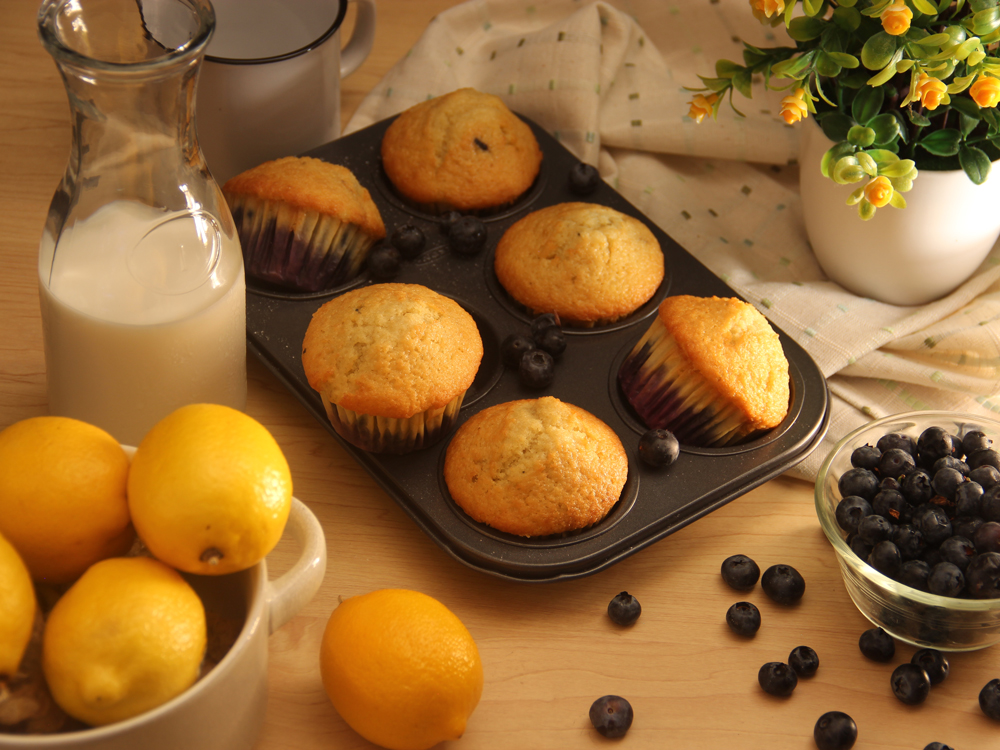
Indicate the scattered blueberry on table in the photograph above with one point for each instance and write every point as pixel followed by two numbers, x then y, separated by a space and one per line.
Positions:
pixel 743 618
pixel 877 645
pixel 783 583
pixel 933 662
pixel 624 609
pixel 777 678
pixel 910 684
pixel 611 715
pixel 989 699
pixel 804 660
pixel 740 572
pixel 835 730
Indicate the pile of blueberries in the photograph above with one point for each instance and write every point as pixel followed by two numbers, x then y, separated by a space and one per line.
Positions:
pixel 926 512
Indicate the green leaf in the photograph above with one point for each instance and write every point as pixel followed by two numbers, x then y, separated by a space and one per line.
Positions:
pixel 986 21
pixel 716 84
pixel 878 51
pixel 897 200
pixel 917 118
pixel 866 210
pixel 886 128
pixel 934 40
pixel 833 155
pixel 727 68
pixel 966 124
pixel 844 60
pixel 887 72
pixel 743 82
pixel 846 17
pixel 812 7
pixel 794 66
pixel 883 157
pixel 856 196
pixel 867 163
pixel 925 7
pixel 847 3
pixel 805 28
pixel 845 173
pixel 901 168
pixel 966 106
pixel 867 104
pixel 827 66
pixel 835 126
pixel 965 48
pixel 991 117
pixel 975 162
pixel 861 136
pixel 942 142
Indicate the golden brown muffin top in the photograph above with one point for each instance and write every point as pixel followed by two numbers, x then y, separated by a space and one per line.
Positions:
pixel 391 350
pixel 309 184
pixel 464 149
pixel 535 467
pixel 587 262
pixel 733 346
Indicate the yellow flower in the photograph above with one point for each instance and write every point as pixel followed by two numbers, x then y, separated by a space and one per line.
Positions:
pixel 701 106
pixel 764 9
pixel 794 108
pixel 930 91
pixel 896 18
pixel 878 192
pixel 986 91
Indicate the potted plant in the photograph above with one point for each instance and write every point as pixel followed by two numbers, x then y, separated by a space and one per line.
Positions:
pixel 905 92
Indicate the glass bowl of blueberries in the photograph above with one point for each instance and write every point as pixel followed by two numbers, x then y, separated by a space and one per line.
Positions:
pixel 911 505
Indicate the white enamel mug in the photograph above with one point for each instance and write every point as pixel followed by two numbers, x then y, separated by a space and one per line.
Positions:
pixel 270 81
pixel 224 709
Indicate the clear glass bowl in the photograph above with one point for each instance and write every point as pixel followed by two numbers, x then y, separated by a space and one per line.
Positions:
pixel 916 617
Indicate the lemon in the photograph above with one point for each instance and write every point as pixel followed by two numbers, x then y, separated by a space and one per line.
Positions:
pixel 209 490
pixel 17 608
pixel 62 496
pixel 400 668
pixel 128 636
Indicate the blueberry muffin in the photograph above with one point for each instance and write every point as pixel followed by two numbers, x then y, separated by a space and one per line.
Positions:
pixel 304 224
pixel 588 263
pixel 535 467
pixel 711 370
pixel 392 363
pixel 463 151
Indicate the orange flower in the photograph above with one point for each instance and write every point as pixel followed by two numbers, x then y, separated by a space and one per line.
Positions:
pixel 896 18
pixel 764 9
pixel 878 192
pixel 986 91
pixel 930 91
pixel 794 108
pixel 701 106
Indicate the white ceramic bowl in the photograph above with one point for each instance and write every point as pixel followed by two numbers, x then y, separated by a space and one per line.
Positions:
pixel 916 617
pixel 224 710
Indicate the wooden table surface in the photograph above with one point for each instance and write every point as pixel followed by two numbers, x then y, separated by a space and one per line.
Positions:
pixel 548 650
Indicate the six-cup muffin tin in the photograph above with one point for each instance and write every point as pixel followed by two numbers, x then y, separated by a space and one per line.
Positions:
pixel 655 501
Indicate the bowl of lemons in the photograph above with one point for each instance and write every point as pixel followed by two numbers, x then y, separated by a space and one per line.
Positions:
pixel 137 600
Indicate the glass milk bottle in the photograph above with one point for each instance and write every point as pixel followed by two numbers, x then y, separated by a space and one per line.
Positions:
pixel 141 282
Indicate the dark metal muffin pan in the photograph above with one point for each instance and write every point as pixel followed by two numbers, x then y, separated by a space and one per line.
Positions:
pixel 655 502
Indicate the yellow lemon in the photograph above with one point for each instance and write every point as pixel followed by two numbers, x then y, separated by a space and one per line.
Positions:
pixel 128 636
pixel 209 490
pixel 400 668
pixel 17 608
pixel 62 496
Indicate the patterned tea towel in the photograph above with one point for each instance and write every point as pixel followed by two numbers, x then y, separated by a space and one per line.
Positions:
pixel 608 80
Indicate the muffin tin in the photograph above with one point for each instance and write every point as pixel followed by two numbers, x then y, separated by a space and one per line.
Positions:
pixel 655 502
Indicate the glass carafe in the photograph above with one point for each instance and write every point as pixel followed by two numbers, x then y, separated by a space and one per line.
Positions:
pixel 141 280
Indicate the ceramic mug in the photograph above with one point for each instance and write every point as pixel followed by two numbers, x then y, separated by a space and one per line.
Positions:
pixel 224 710
pixel 270 80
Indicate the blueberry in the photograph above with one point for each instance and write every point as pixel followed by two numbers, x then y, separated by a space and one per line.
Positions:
pixel 975 440
pixel 541 323
pixel 909 540
pixel 986 476
pixel 966 526
pixel 957 550
pixel 985 457
pixel 850 511
pixel 447 221
pixel 910 684
pixel 859 546
pixel 862 482
pixel 885 558
pixel 914 573
pixel 945 481
pixel 946 580
pixel 583 178
pixel 740 572
pixel 743 618
pixel 659 447
pixel 968 498
pixel 537 369
pixel 916 487
pixel 783 583
pixel 777 678
pixel 896 462
pixel 611 715
pixel 989 699
pixel 989 504
pixel 951 462
pixel 891 504
pixel 874 529
pixel 514 347
pixel 866 457
pixel 938 746
pixel 409 240
pixel 804 661
pixel 467 235
pixel 934 443
pixel 835 730
pixel 986 537
pixel 935 525
pixel 982 577
pixel 552 340
pixel 624 609
pixel 877 645
pixel 383 262
pixel 933 662
pixel 899 440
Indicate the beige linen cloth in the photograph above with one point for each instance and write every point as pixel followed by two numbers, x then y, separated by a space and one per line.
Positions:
pixel 607 79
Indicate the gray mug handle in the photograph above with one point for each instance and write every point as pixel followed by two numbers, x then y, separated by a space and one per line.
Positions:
pixel 362 38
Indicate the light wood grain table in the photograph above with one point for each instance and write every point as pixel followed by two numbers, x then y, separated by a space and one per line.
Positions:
pixel 548 650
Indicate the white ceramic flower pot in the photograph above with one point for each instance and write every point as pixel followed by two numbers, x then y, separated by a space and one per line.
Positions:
pixel 905 256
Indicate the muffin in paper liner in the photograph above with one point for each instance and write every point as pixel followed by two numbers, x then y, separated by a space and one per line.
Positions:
pixel 392 363
pixel 461 151
pixel 709 370
pixel 304 224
